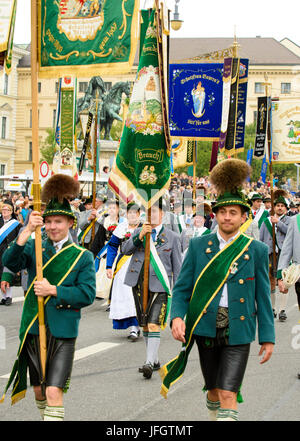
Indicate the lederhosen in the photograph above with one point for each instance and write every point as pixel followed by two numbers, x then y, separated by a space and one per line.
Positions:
pixel 156 306
pixel 223 366
pixel 60 355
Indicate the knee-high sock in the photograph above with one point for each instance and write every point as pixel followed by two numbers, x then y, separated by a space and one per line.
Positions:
pixel 213 407
pixel 41 405
pixel 152 347
pixel 145 335
pixel 54 413
pixel 273 299
pixel 227 415
pixel 283 298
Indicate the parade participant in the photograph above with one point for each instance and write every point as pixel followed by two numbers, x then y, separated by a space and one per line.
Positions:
pixel 68 285
pixel 281 222
pixel 122 307
pixel 267 203
pixel 290 252
pixel 258 210
pixel 166 251
pixel 9 230
pixel 103 235
pixel 293 210
pixel 222 288
pixel 197 227
pixel 91 216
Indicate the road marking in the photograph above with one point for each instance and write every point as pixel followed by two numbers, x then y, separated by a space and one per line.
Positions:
pixel 93 349
pixel 86 352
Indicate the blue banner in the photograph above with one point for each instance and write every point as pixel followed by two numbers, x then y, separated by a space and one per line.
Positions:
pixel 242 104
pixel 195 100
pixel 264 168
pixel 249 160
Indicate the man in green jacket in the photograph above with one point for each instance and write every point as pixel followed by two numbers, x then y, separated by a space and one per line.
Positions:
pixel 68 285
pixel 223 287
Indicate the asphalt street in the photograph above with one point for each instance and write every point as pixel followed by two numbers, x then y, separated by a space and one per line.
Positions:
pixel 106 385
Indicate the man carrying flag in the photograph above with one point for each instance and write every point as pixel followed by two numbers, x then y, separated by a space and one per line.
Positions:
pixel 165 264
pixel 68 285
pixel 222 288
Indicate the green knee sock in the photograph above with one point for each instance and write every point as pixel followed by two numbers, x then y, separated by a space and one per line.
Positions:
pixel 54 413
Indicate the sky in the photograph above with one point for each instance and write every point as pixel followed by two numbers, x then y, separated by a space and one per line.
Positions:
pixel 209 19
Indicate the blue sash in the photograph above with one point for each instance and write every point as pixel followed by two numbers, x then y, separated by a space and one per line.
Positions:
pixel 7 229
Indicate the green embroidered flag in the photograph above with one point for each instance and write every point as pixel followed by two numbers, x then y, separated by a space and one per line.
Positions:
pixel 142 167
pixel 75 37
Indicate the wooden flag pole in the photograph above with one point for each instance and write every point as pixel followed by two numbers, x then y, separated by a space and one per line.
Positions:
pixel 36 184
pixel 146 273
pixel 194 168
pixel 95 162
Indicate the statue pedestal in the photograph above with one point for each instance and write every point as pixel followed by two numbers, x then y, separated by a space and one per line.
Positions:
pixel 108 146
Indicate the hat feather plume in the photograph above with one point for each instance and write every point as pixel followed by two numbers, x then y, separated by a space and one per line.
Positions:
pixel 229 175
pixel 280 192
pixel 60 187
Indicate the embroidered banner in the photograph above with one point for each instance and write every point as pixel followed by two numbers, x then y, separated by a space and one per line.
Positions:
pixel 285 132
pixel 142 166
pixel 64 160
pixel 226 101
pixel 75 37
pixel 241 106
pixel 195 100
pixel 261 127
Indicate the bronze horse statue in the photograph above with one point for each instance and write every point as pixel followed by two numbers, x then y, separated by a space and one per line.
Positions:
pixel 111 106
pixel 87 101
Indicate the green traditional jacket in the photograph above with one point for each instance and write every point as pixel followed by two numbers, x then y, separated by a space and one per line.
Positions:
pixel 248 292
pixel 78 289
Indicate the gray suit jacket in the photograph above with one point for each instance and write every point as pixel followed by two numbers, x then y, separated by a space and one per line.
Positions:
pixel 169 250
pixel 281 230
pixel 291 246
pixel 83 223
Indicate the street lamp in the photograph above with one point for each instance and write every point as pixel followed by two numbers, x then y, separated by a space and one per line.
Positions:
pixel 176 22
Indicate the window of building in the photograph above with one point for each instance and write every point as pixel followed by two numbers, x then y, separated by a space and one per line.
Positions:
pixel 285 87
pixel 30 151
pixel 3 127
pixel 83 85
pixel 259 88
pixel 2 169
pixel 39 87
pixel 5 88
pixel 56 87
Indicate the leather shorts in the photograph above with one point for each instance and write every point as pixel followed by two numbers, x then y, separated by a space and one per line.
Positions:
pixel 156 307
pixel 60 355
pixel 223 366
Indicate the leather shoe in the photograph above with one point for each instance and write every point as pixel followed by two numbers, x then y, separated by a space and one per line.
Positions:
pixel 282 316
pixel 156 367
pixel 147 371
pixel 2 301
pixel 8 301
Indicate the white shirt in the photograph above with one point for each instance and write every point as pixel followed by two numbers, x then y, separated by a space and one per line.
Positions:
pixel 58 245
pixel 223 243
